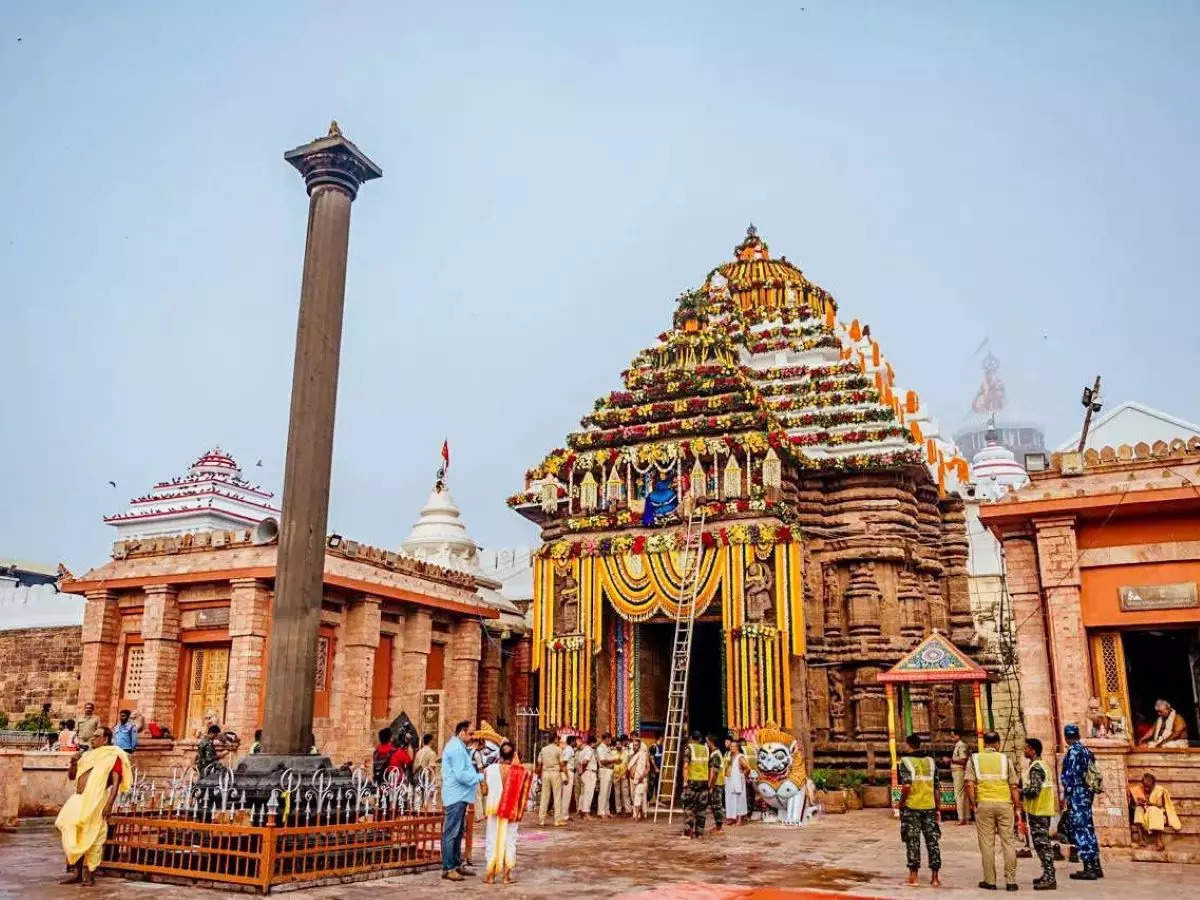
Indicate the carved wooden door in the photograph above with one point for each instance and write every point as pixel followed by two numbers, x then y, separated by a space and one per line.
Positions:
pixel 1108 672
pixel 207 685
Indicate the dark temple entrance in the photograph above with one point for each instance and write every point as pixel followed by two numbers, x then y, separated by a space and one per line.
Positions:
pixel 705 685
pixel 1164 664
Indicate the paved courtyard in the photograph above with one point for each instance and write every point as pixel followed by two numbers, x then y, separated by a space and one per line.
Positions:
pixel 856 854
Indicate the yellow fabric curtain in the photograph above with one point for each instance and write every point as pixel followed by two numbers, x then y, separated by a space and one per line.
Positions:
pixel 642 585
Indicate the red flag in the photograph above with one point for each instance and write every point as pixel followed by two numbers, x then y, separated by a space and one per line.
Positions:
pixel 446 455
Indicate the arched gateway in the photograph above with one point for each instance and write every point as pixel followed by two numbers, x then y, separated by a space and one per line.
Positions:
pixel 834 539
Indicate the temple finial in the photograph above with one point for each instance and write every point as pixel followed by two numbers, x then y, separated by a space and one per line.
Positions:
pixel 751 231
pixel 334 131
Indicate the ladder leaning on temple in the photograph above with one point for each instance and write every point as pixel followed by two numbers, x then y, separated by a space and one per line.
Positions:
pixel 681 655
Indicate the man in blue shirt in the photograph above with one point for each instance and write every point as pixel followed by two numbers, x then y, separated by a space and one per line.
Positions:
pixel 460 779
pixel 125 733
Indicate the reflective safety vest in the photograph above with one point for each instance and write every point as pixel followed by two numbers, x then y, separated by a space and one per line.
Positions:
pixel 720 782
pixel 697 767
pixel 991 777
pixel 920 773
pixel 1043 803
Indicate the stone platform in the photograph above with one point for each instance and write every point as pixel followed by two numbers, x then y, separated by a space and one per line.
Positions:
pixel 856 854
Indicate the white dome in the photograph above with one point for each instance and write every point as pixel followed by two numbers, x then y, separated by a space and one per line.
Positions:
pixel 995 470
pixel 440 535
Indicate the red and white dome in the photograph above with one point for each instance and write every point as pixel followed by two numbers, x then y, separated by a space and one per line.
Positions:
pixel 995 470
pixel 212 496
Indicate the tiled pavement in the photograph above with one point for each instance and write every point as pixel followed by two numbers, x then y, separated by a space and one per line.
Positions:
pixel 859 853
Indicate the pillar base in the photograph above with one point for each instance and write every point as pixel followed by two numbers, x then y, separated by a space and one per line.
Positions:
pixel 259 775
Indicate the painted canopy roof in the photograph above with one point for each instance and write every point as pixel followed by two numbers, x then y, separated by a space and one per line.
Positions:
pixel 935 659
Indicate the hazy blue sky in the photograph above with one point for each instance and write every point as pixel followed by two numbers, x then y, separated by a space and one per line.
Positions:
pixel 552 180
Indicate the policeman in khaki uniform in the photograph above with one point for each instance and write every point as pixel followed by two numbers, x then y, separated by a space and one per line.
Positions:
pixel 918 811
pixel 1038 794
pixel 549 769
pixel 992 789
pixel 588 766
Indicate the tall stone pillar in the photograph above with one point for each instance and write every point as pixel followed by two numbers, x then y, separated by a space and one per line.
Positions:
pixel 160 653
pixel 333 169
pixel 249 624
pixel 488 706
pixel 522 660
pixel 414 659
pixel 98 669
pixel 957 586
pixel 462 671
pixel 1058 557
pixel 351 702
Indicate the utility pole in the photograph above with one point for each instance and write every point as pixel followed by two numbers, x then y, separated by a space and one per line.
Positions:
pixel 1091 403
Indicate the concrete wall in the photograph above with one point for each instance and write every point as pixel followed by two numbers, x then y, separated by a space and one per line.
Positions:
pixel 40 665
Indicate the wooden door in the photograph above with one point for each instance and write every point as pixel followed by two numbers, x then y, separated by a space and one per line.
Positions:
pixel 435 667
pixel 208 682
pixel 1108 672
pixel 381 678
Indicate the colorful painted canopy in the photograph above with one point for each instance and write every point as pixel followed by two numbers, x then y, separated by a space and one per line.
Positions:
pixel 934 659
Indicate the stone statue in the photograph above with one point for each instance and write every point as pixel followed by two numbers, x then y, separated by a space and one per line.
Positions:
pixel 780 775
pixel 837 701
pixel 832 599
pixel 566 601
pixel 760 604
pixel 1097 723
pixel 1116 719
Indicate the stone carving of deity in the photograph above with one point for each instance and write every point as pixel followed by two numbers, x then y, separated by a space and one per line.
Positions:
pixel 566 601
pixel 837 701
pixel 1097 722
pixel 760 604
pixel 832 599
pixel 661 500
pixel 1116 719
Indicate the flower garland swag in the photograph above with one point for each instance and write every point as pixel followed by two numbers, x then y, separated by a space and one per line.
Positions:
pixel 644 584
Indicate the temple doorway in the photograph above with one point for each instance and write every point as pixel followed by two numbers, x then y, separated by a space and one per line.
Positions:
pixel 705 684
pixel 1164 663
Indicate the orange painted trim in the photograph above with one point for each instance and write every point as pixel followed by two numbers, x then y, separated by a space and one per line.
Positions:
pixel 393 593
pixel 132 640
pixel 1008 512
pixel 268 572
pixel 81 587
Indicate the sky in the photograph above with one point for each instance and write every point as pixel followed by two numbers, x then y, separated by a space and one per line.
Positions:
pixel 554 175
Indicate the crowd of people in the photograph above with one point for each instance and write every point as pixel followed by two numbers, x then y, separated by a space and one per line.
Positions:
pixel 606 778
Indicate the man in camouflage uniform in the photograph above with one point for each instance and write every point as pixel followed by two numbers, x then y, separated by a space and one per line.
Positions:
pixel 1037 792
pixel 918 811
pixel 716 781
pixel 1077 796
pixel 698 778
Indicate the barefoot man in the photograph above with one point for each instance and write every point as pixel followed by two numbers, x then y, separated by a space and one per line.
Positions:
pixel 100 775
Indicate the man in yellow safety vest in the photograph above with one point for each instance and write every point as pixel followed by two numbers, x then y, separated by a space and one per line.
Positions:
pixel 696 786
pixel 1038 794
pixel 992 791
pixel 918 811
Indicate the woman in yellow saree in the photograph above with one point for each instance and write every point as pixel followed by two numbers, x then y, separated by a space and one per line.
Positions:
pixel 100 775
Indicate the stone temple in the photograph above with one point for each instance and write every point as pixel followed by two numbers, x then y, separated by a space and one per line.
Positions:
pixel 834 536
